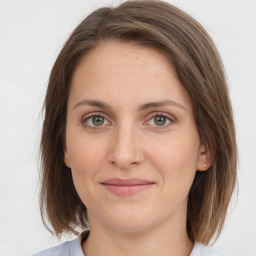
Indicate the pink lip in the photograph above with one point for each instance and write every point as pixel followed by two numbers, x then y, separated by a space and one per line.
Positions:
pixel 126 187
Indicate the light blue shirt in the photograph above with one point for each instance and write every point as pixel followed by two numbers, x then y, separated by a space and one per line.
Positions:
pixel 73 248
pixel 70 248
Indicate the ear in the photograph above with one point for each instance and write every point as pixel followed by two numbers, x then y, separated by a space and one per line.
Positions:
pixel 66 158
pixel 204 159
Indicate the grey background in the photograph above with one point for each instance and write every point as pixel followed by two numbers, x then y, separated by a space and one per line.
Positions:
pixel 32 33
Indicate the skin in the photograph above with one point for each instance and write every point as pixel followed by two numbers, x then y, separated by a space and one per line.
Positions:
pixel 130 143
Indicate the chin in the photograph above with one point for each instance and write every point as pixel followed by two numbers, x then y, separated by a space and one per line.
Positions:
pixel 130 228
pixel 128 222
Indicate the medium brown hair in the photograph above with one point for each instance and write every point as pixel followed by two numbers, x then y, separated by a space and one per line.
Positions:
pixel 191 50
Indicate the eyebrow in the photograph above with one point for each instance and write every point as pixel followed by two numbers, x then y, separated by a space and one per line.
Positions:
pixel 100 104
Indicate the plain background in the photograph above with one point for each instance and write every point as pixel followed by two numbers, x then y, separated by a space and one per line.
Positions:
pixel 32 33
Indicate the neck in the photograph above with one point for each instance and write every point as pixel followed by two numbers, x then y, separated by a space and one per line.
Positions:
pixel 164 241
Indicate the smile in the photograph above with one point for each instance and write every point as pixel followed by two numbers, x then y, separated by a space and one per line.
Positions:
pixel 126 187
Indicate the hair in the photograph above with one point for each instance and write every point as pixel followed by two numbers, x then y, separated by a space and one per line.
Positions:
pixel 199 67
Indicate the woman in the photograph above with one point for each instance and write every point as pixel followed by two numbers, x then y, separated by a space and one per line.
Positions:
pixel 138 143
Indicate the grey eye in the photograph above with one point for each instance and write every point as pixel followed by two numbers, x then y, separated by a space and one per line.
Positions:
pixel 97 120
pixel 159 120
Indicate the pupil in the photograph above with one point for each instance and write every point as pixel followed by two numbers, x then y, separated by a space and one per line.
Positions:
pixel 160 120
pixel 98 120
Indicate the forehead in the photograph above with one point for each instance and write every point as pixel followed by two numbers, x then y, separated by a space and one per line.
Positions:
pixel 117 70
pixel 125 58
pixel 122 54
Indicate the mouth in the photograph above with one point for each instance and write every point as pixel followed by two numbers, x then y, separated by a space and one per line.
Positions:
pixel 126 187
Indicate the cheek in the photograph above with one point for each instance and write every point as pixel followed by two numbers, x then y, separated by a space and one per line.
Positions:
pixel 176 160
pixel 85 158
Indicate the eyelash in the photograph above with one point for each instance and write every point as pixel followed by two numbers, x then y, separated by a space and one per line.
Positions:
pixel 157 114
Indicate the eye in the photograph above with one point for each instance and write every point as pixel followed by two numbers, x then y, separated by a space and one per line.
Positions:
pixel 161 120
pixel 95 121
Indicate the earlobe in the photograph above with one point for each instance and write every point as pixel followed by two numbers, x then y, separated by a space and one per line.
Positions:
pixel 204 160
pixel 66 158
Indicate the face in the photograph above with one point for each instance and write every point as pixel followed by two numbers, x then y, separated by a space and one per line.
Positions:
pixel 131 138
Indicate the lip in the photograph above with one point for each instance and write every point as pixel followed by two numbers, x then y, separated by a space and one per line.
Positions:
pixel 126 187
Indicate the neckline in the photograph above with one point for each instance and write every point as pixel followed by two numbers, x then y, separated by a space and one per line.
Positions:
pixel 197 247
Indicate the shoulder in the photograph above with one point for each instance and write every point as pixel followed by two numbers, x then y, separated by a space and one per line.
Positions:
pixel 70 248
pixel 202 250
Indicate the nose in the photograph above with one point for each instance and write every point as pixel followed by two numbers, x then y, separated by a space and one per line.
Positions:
pixel 126 151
